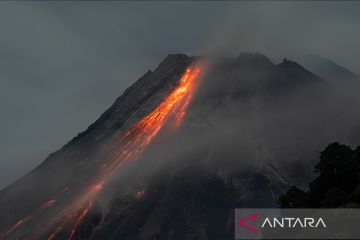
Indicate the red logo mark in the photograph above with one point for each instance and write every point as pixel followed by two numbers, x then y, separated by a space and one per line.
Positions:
pixel 253 223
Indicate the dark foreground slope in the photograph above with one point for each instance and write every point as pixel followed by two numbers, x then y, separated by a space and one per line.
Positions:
pixel 253 129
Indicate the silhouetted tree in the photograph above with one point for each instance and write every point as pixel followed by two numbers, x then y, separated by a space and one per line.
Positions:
pixel 337 184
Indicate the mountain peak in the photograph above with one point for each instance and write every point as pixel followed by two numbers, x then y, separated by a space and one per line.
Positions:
pixel 253 59
pixel 291 75
pixel 290 64
pixel 174 59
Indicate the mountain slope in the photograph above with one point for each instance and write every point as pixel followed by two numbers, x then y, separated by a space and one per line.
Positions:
pixel 327 69
pixel 64 167
pixel 252 130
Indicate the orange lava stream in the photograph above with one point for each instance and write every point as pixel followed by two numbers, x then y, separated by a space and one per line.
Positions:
pixel 138 137
pixel 79 219
pixel 21 222
pixel 79 209
pixel 142 133
pixel 37 212
pixel 133 142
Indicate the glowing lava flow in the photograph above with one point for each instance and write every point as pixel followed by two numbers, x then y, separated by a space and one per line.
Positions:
pixel 132 143
pixel 142 133
pixel 137 138
pixel 35 214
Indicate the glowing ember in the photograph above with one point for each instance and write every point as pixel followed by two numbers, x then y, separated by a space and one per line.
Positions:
pixel 139 195
pixel 97 188
pixel 132 143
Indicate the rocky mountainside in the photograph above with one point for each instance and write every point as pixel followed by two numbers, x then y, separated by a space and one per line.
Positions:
pixel 338 76
pixel 252 129
pixel 66 167
pixel 327 69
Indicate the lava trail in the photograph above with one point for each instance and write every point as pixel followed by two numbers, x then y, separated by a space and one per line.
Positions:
pixel 137 138
pixel 130 146
pixel 33 215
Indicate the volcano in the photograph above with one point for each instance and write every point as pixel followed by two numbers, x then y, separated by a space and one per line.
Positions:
pixel 181 148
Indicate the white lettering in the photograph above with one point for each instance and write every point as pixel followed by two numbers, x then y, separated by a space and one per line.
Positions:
pixel 290 222
pixel 277 222
pixel 266 221
pixel 322 222
pixel 299 222
pixel 311 222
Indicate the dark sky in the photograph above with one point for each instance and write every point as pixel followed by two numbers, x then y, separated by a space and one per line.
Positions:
pixel 62 63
